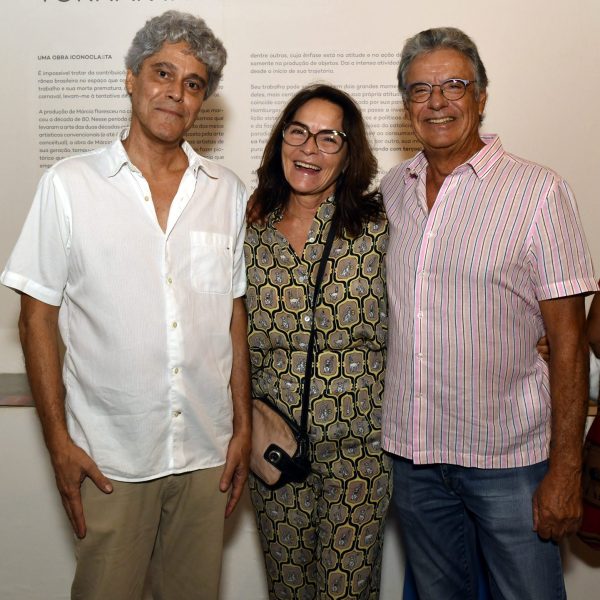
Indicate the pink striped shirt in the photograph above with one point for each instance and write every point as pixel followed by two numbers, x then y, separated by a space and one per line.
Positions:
pixel 465 384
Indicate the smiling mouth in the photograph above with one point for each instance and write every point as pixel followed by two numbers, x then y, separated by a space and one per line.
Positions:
pixel 303 165
pixel 440 120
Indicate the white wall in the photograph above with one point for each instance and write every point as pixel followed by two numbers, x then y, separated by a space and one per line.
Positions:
pixel 542 58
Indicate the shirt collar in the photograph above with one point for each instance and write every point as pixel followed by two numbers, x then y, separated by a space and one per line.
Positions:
pixel 482 162
pixel 324 212
pixel 116 157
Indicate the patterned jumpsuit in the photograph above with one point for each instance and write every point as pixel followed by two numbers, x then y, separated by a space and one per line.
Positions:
pixel 323 538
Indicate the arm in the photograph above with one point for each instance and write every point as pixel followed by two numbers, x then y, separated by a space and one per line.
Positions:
pixel 38 329
pixel 557 500
pixel 238 452
pixel 593 325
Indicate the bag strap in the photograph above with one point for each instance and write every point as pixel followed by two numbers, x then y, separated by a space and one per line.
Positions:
pixel 311 340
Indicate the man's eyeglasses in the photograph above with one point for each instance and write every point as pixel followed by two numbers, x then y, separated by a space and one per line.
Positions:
pixel 452 89
pixel 329 141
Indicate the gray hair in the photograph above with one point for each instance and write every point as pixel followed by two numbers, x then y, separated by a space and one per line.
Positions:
pixel 172 27
pixel 434 39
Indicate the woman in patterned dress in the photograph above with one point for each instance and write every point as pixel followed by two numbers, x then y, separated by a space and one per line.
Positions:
pixel 321 538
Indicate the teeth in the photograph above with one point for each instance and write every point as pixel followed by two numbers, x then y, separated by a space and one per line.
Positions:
pixel 441 120
pixel 299 163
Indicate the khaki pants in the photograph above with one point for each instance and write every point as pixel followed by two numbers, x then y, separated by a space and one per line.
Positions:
pixel 171 527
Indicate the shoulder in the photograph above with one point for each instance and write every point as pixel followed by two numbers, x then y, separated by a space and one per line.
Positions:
pixel 524 167
pixel 395 175
pixel 92 160
pixel 84 168
pixel 220 173
pixel 395 181
pixel 533 182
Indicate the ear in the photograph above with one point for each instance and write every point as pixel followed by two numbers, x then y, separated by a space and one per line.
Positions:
pixel 481 102
pixel 129 81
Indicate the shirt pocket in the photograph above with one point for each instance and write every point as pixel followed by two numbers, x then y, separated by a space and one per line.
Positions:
pixel 211 262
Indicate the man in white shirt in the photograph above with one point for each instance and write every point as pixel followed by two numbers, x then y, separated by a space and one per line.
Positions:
pixel 134 252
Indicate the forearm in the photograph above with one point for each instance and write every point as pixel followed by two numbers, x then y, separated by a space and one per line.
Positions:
pixel 240 372
pixel 569 372
pixel 38 330
pixel 557 502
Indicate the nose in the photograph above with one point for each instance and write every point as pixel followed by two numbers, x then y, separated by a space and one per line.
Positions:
pixel 310 145
pixel 175 91
pixel 437 99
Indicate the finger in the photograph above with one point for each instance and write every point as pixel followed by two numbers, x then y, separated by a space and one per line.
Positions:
pixel 100 480
pixel 536 516
pixel 236 494
pixel 548 527
pixel 227 476
pixel 67 508
pixel 74 510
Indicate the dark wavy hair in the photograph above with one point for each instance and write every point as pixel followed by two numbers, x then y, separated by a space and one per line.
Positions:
pixel 355 204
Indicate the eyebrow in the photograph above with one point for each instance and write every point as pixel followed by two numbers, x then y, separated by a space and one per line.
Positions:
pixel 170 66
pixel 309 130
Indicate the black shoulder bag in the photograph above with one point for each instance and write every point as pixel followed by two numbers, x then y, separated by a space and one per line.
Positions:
pixel 280 447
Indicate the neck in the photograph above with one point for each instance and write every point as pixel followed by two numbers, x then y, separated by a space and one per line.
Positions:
pixel 154 157
pixel 441 162
pixel 303 208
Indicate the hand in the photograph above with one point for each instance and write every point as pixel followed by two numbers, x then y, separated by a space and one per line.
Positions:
pixel 543 348
pixel 557 505
pixel 71 466
pixel 237 465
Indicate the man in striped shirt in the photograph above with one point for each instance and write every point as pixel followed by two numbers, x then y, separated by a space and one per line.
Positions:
pixel 486 255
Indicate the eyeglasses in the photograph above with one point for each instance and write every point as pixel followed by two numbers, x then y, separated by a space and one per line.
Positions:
pixel 329 141
pixel 452 89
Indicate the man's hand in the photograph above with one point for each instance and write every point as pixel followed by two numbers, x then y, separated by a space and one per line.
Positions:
pixel 557 505
pixel 38 329
pixel 543 348
pixel 237 465
pixel 71 466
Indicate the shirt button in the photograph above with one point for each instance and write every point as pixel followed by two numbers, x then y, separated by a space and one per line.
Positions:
pixel 430 234
pixel 420 315
pixel 176 413
pixel 147 198
pixel 175 370
pixel 169 280
pixel 307 318
pixel 174 324
pixel 311 239
pixel 420 355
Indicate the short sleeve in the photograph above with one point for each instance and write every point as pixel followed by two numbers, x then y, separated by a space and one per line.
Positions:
pixel 38 265
pixel 560 258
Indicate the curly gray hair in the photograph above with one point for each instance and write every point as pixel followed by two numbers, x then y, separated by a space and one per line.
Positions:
pixel 173 27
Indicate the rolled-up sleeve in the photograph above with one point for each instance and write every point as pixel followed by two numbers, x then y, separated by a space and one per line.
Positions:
pixel 38 265
pixel 559 252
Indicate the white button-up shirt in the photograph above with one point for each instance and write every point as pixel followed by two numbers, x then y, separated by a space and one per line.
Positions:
pixel 144 314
